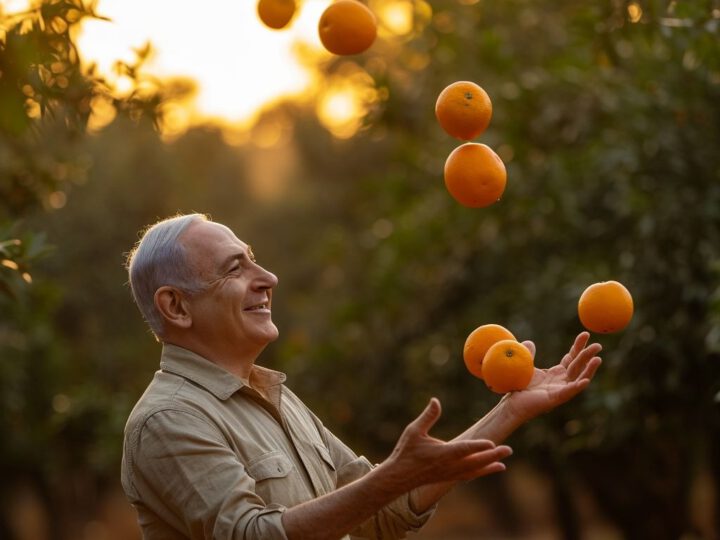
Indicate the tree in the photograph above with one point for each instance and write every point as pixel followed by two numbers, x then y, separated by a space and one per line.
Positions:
pixel 47 99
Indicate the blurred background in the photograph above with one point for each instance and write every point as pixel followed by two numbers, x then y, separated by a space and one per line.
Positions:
pixel 116 113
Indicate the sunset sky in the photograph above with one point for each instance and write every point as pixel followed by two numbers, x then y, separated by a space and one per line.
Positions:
pixel 238 65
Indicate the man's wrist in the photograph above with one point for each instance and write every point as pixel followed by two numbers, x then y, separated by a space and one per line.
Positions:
pixel 390 480
pixel 511 414
pixel 498 424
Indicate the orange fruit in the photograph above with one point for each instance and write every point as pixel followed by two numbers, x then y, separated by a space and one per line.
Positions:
pixel 605 307
pixel 276 14
pixel 508 367
pixel 347 27
pixel 478 343
pixel 463 110
pixel 475 175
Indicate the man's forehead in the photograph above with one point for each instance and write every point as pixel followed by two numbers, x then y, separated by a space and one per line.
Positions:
pixel 209 236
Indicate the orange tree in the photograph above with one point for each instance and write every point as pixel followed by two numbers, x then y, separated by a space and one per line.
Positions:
pixel 46 100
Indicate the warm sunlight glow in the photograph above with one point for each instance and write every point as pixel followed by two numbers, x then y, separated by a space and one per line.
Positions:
pixel 238 66
pixel 102 113
pixel 237 63
pixel 634 12
pixel 14 6
pixel 397 16
pixel 345 101
pixel 401 20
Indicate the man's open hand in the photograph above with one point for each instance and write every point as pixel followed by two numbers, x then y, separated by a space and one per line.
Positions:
pixel 420 459
pixel 552 387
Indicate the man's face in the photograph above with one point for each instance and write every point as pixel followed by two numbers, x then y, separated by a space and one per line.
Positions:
pixel 234 310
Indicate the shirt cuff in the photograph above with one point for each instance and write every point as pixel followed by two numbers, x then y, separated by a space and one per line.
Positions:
pixel 418 519
pixel 267 524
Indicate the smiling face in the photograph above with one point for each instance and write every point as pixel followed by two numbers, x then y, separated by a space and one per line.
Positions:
pixel 233 314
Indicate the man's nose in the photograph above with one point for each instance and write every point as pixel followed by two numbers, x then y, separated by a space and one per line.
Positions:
pixel 266 279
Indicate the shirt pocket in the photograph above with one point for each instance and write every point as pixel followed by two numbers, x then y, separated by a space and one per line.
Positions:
pixel 274 464
pixel 276 479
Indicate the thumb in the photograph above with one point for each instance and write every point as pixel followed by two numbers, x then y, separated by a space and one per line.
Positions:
pixel 428 417
pixel 530 346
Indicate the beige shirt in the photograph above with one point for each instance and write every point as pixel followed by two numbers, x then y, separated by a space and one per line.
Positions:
pixel 207 456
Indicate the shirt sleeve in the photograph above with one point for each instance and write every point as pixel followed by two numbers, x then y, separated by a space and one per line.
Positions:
pixel 395 519
pixel 193 480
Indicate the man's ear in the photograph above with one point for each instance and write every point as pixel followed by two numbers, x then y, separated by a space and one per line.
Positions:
pixel 172 306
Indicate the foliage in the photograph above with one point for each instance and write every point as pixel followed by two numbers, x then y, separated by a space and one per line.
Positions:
pixel 47 99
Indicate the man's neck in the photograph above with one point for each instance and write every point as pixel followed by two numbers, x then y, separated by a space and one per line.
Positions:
pixel 238 362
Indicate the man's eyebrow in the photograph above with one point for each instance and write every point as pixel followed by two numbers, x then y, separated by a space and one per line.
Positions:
pixel 239 256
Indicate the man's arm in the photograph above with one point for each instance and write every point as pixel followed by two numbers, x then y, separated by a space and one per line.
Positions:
pixel 418 459
pixel 547 390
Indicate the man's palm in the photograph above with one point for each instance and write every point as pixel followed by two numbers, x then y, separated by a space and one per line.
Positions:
pixel 551 387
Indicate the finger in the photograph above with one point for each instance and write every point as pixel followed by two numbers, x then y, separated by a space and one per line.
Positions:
pixel 590 369
pixel 463 449
pixel 476 462
pixel 428 417
pixel 572 389
pixel 569 391
pixel 580 342
pixel 577 366
pixel 485 471
pixel 530 346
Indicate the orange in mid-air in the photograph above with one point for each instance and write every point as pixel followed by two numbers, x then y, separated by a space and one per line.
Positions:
pixel 347 27
pixel 475 175
pixel 276 14
pixel 508 367
pixel 605 307
pixel 463 110
pixel 478 343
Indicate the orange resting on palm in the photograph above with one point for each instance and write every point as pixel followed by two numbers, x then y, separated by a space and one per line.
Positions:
pixel 276 14
pixel 463 110
pixel 508 367
pixel 347 27
pixel 475 175
pixel 478 343
pixel 605 307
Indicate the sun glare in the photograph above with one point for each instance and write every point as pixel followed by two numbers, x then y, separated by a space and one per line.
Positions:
pixel 237 64
pixel 345 100
pixel 14 6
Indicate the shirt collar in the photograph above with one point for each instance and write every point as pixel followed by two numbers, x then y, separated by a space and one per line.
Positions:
pixel 215 379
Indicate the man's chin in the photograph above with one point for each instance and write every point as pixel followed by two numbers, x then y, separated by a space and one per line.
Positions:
pixel 263 335
pixel 271 334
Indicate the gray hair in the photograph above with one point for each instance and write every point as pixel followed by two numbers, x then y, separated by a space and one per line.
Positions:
pixel 160 259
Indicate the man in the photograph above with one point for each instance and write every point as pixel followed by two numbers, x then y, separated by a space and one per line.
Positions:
pixel 219 447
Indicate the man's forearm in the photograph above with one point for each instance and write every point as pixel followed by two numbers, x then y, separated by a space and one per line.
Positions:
pixel 338 513
pixel 496 426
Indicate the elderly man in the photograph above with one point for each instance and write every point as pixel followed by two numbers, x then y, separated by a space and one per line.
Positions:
pixel 219 447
